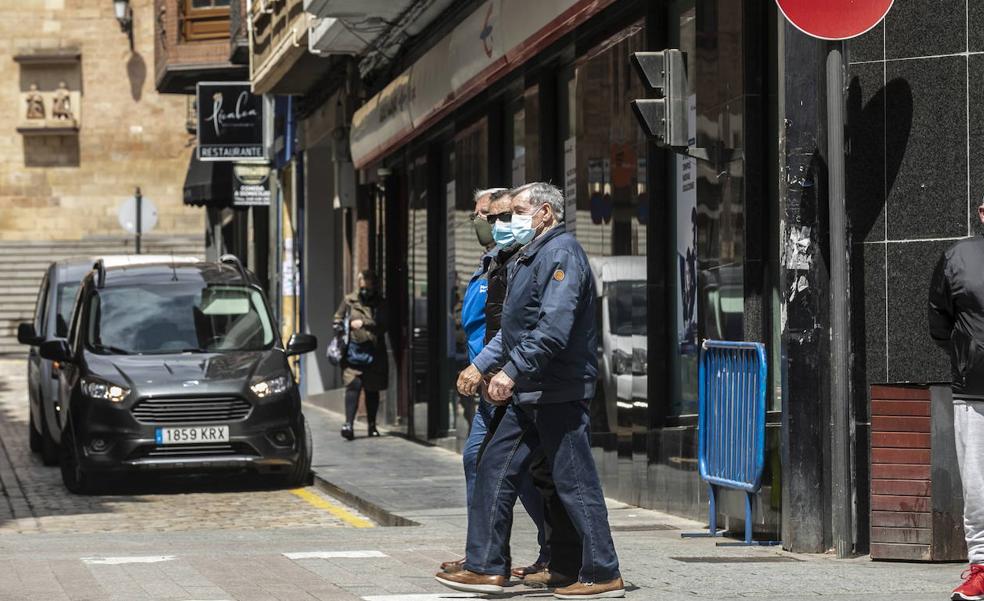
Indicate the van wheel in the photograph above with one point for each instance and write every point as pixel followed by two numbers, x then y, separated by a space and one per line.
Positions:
pixel 301 474
pixel 49 448
pixel 74 476
pixel 34 436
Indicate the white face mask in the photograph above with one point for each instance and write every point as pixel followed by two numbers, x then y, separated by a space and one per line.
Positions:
pixel 522 228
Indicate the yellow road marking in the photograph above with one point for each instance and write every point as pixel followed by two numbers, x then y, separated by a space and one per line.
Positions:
pixel 346 516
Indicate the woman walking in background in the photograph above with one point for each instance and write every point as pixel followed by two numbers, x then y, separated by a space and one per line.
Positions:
pixel 365 364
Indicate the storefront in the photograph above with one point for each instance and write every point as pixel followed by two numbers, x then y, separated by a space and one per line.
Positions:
pixel 678 245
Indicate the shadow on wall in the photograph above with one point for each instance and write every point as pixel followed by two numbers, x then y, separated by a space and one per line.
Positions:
pixel 51 151
pixel 136 71
pixel 878 135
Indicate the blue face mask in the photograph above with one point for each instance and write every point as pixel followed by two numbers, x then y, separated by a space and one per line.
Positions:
pixel 503 235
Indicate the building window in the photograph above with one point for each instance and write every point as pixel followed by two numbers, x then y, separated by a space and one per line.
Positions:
pixel 205 20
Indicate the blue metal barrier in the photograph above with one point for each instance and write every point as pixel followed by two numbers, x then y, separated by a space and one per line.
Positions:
pixel 731 424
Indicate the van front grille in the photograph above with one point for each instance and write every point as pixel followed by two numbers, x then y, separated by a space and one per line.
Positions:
pixel 191 410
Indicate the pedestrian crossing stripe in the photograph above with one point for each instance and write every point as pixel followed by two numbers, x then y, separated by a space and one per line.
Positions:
pixel 335 555
pixel 115 561
pixel 339 512
pixel 421 597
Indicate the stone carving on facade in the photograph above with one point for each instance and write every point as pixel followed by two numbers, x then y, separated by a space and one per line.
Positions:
pixel 61 107
pixel 35 103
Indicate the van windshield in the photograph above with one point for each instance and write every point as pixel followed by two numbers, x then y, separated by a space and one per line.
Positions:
pixel 175 318
pixel 627 307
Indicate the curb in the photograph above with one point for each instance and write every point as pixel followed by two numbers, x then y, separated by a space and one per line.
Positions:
pixel 375 512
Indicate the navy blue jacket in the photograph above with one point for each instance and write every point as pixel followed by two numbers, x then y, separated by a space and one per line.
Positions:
pixel 548 343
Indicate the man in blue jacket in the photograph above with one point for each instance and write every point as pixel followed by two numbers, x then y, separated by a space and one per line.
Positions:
pixel 547 350
pixel 473 323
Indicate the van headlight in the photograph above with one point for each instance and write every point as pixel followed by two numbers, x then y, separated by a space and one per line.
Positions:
pixel 270 386
pixel 95 388
pixel 621 362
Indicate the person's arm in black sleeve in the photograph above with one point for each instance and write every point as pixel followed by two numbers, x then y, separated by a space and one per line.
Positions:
pixel 941 305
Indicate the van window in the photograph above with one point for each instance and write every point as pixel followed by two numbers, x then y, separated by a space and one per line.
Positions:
pixel 40 308
pixel 64 303
pixel 175 318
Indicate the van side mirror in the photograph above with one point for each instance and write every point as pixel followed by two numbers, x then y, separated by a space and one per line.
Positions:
pixel 301 343
pixel 56 350
pixel 26 334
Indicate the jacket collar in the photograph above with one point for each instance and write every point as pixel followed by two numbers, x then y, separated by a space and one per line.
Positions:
pixel 530 250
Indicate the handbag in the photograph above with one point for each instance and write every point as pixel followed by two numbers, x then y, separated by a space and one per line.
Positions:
pixel 336 349
pixel 357 354
pixel 360 354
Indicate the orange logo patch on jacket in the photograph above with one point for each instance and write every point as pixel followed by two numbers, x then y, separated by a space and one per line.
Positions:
pixel 559 275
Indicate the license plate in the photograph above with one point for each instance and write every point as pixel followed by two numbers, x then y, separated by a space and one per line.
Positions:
pixel 192 435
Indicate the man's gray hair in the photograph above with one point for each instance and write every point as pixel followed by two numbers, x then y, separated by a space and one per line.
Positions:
pixel 542 193
pixel 492 193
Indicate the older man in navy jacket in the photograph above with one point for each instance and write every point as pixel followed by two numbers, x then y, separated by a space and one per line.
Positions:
pixel 547 351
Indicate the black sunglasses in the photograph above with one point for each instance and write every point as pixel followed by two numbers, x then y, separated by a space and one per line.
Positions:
pixel 503 217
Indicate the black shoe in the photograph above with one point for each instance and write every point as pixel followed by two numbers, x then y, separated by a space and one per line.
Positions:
pixel 372 429
pixel 347 432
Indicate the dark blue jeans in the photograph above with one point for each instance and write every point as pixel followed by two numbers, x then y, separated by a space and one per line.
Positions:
pixel 528 494
pixel 562 430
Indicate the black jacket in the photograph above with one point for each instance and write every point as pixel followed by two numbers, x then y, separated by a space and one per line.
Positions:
pixel 498 282
pixel 956 313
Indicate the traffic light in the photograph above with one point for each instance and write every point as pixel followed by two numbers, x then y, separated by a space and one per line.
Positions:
pixel 664 119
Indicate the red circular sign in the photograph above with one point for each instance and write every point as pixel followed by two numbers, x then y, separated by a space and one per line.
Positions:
pixel 834 19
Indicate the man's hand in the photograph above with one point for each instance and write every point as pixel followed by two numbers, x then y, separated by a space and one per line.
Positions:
pixel 356 324
pixel 468 380
pixel 501 388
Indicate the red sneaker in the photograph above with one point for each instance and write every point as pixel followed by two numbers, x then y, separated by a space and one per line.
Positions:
pixel 973 587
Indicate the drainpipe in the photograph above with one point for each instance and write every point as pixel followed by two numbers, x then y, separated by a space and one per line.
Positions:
pixel 841 455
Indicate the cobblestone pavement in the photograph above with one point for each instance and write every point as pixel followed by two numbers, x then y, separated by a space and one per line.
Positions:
pixel 243 543
pixel 36 501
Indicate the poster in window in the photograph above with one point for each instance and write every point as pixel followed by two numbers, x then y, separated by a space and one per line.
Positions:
pixel 230 122
pixel 250 185
pixel 686 235
pixel 570 183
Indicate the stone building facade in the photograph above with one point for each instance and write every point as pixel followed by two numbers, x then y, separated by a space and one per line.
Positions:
pixel 65 179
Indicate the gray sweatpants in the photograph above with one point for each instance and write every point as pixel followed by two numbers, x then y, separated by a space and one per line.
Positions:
pixel 968 428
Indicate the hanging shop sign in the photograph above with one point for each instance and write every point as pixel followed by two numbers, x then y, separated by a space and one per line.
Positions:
pixel 834 19
pixel 250 185
pixel 230 122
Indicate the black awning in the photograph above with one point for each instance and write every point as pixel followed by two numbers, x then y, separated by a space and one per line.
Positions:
pixel 208 183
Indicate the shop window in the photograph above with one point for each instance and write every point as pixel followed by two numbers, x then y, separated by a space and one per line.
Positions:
pixel 605 163
pixel 205 20
pixel 417 239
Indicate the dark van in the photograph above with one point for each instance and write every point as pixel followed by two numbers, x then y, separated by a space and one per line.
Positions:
pixel 177 367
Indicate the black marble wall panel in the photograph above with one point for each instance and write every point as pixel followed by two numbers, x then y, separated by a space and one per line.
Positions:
pixel 866 168
pixel 868 309
pixel 975 16
pixel 868 47
pixel 976 134
pixel 912 355
pixel 926 115
pixel 926 28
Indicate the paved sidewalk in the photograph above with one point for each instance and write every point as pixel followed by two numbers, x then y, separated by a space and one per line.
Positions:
pixel 426 485
pixel 388 473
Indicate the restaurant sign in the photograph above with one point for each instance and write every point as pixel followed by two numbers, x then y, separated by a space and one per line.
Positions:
pixel 230 122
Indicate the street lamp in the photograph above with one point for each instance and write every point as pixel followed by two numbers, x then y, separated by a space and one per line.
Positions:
pixel 124 16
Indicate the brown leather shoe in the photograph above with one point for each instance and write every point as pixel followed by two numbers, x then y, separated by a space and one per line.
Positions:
pixel 450 567
pixel 612 589
pixel 533 569
pixel 470 582
pixel 548 579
